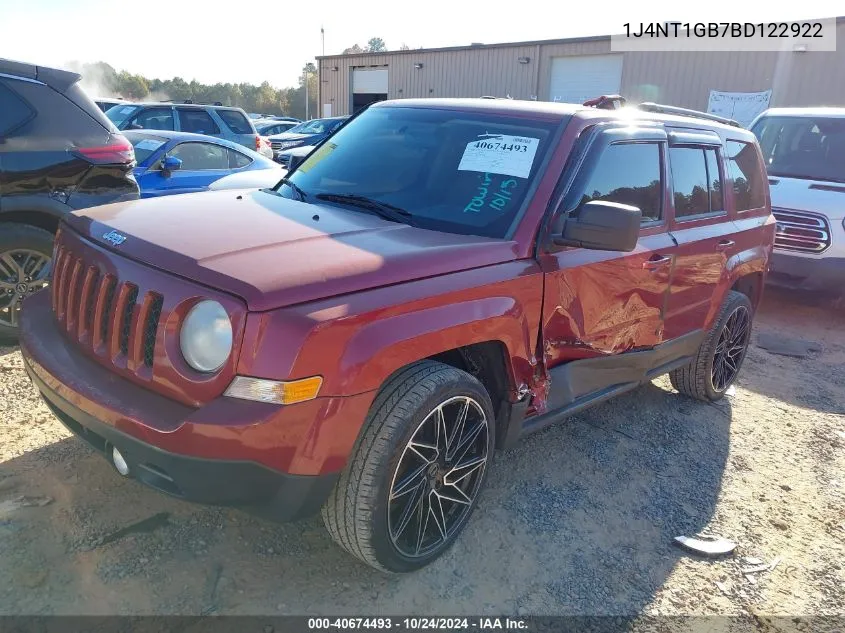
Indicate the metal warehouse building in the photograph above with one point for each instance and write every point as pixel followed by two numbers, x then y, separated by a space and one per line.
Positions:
pixel 573 70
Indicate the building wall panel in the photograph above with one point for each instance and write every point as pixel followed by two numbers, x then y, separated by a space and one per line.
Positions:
pixel 683 79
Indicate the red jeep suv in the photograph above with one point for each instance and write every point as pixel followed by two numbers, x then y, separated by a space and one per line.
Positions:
pixel 435 281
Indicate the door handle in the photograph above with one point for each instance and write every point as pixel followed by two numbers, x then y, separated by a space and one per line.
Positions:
pixel 724 245
pixel 656 262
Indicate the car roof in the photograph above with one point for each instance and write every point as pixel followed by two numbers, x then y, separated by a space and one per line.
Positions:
pixel 328 118
pixel 547 109
pixel 808 112
pixel 188 136
pixel 56 78
pixel 485 105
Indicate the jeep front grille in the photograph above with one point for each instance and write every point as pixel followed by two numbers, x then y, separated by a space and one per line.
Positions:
pixel 104 313
pixel 801 231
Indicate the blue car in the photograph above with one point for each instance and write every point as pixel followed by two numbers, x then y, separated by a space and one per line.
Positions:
pixel 180 162
pixel 308 133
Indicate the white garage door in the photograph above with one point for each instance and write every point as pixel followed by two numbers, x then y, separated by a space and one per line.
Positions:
pixel 576 79
pixel 369 81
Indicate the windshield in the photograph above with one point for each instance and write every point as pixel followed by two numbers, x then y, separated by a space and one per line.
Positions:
pixel 144 144
pixel 311 127
pixel 120 113
pixel 812 148
pixel 460 172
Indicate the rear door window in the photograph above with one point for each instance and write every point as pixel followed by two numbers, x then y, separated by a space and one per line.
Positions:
pixel 14 111
pixel 747 176
pixel 629 173
pixel 201 156
pixel 197 121
pixel 696 181
pixel 236 121
pixel 155 119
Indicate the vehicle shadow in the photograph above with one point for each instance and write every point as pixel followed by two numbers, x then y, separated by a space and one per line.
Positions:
pixel 815 381
pixel 578 519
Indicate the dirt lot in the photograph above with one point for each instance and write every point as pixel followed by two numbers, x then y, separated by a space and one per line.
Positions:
pixel 578 519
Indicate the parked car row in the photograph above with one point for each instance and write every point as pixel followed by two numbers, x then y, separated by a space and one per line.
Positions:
pixel 212 120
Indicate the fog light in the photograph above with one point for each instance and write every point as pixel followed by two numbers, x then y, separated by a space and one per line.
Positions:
pixel 119 462
pixel 274 391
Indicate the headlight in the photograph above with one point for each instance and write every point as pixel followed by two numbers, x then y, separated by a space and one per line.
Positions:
pixel 206 336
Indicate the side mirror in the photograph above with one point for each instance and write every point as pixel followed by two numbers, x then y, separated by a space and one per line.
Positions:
pixel 135 126
pixel 604 226
pixel 170 163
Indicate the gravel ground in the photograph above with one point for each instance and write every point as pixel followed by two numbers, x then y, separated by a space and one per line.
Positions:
pixel 578 519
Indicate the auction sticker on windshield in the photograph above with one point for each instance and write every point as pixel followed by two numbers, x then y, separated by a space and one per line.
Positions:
pixel 500 154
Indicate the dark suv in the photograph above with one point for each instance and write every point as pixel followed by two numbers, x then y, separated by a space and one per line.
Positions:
pixel 58 152
pixel 438 279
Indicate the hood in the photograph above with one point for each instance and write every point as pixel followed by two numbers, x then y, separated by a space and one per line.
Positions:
pixel 258 178
pixel 274 252
pixel 817 196
pixel 288 136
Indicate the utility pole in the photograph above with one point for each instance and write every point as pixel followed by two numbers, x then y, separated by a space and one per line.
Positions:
pixel 305 72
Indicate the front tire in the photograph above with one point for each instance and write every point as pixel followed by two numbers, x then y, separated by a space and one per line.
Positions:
pixel 415 475
pixel 721 353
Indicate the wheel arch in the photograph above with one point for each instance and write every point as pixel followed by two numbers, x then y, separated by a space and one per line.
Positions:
pixel 39 219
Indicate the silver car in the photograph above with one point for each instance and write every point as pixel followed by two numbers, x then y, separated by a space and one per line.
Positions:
pixel 804 152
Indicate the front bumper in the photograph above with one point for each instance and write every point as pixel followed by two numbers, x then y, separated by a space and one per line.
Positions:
pixel 807 273
pixel 279 462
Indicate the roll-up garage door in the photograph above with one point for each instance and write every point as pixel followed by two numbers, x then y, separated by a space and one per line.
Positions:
pixel 369 81
pixel 578 78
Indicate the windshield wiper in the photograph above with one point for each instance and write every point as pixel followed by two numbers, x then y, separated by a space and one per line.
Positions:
pixel 299 192
pixel 382 209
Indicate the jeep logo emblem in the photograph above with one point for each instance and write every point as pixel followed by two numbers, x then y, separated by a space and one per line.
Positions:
pixel 114 238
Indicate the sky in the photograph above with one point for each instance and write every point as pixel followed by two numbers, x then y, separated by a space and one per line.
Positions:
pixel 271 40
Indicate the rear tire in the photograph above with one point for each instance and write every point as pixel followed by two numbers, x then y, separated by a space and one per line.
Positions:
pixel 721 353
pixel 25 254
pixel 408 489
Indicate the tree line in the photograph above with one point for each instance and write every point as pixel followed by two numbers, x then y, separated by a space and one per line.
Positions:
pixel 102 80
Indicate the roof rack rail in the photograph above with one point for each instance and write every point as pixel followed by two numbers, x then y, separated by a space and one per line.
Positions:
pixel 665 109
pixel 192 102
pixel 606 102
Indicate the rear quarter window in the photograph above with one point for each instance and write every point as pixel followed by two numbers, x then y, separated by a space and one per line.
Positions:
pixel 236 121
pixel 238 160
pixel 746 172
pixel 60 123
pixel 14 111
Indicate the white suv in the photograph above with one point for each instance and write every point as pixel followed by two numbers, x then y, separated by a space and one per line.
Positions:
pixel 804 151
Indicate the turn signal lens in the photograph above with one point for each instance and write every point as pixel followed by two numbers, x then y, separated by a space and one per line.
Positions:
pixel 274 391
